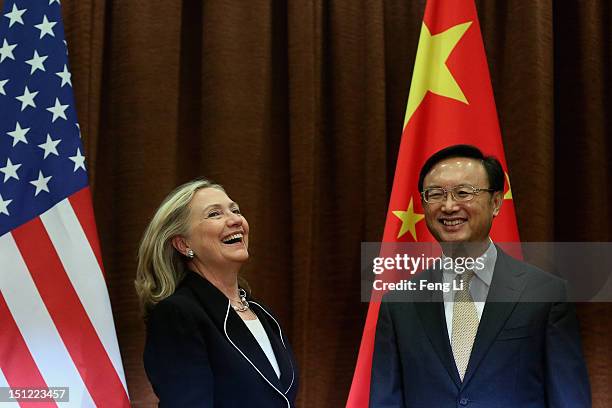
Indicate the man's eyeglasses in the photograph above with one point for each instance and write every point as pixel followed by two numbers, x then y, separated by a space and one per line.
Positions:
pixel 459 193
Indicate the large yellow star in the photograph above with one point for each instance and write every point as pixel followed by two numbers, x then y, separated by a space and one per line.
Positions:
pixel 409 219
pixel 430 70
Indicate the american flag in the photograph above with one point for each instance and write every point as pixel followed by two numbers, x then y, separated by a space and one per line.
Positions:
pixel 56 325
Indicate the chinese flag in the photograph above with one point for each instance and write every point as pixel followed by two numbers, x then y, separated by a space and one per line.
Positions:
pixel 450 102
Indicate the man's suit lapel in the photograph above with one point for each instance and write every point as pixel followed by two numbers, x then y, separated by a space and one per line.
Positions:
pixel 506 288
pixel 431 313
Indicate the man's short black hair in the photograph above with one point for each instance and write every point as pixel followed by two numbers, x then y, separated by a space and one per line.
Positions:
pixel 495 172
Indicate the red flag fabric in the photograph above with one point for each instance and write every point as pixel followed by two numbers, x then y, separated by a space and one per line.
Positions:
pixel 450 102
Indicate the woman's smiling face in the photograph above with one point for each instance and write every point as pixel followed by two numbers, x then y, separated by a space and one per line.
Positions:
pixel 218 233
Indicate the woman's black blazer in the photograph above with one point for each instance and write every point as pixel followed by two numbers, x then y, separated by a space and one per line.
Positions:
pixel 199 353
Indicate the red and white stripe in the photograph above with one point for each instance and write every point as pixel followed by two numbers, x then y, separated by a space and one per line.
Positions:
pixel 58 328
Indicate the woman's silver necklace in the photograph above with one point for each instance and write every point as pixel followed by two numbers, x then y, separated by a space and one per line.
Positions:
pixel 244 305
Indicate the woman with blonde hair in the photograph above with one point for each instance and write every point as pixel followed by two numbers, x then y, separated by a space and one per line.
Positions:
pixel 209 344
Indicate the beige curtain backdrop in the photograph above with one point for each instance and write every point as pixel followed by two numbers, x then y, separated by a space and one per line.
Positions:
pixel 297 107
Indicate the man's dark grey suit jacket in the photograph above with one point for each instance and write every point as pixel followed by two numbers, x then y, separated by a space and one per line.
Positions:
pixel 527 352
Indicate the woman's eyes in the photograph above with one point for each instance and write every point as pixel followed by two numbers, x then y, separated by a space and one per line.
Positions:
pixel 218 213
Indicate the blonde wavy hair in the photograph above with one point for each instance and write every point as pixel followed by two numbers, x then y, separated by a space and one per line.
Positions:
pixel 160 266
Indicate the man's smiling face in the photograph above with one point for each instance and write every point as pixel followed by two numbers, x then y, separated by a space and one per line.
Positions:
pixel 452 221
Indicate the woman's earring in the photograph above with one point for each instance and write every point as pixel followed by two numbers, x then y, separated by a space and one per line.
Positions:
pixel 190 254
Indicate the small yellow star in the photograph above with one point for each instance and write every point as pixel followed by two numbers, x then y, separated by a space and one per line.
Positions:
pixel 508 195
pixel 409 219
pixel 430 70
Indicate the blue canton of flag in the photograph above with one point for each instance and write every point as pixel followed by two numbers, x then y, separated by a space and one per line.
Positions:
pixel 41 155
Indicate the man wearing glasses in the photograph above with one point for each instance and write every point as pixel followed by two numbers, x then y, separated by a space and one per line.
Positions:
pixel 508 339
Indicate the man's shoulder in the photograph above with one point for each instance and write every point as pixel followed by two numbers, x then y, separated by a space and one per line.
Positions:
pixel 533 271
pixel 538 283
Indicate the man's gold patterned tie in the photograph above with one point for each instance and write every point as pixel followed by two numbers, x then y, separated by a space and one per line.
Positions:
pixel 465 323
